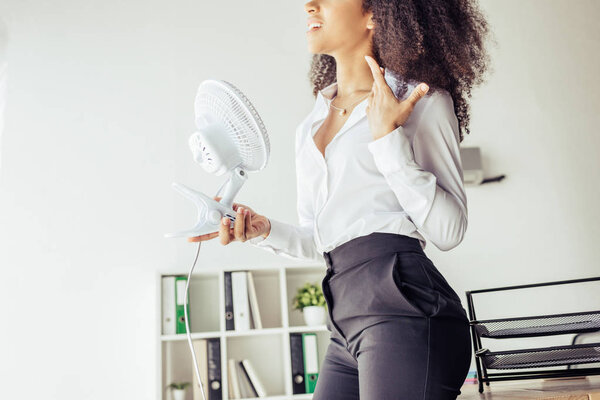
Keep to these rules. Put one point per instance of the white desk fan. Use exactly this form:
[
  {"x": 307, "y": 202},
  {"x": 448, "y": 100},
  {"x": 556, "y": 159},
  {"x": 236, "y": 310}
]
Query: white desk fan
[{"x": 230, "y": 138}]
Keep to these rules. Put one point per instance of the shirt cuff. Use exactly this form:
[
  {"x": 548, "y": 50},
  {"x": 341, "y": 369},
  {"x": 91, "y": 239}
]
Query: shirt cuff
[
  {"x": 392, "y": 152},
  {"x": 278, "y": 237}
]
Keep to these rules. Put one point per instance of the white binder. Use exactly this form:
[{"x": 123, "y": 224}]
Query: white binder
[
  {"x": 201, "y": 350},
  {"x": 241, "y": 307},
  {"x": 168, "y": 306}
]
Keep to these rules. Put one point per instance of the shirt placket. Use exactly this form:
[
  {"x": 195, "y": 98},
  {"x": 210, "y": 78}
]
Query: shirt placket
[
  {"x": 323, "y": 193},
  {"x": 357, "y": 113}
]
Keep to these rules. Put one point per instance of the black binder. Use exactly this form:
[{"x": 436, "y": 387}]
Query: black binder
[
  {"x": 297, "y": 355},
  {"x": 229, "y": 321},
  {"x": 214, "y": 369}
]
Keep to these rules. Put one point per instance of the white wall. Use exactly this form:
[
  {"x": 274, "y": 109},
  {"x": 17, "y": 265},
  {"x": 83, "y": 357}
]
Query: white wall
[
  {"x": 99, "y": 110},
  {"x": 3, "y": 77}
]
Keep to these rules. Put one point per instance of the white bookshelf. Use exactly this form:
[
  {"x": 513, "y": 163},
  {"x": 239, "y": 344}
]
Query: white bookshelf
[{"x": 268, "y": 349}]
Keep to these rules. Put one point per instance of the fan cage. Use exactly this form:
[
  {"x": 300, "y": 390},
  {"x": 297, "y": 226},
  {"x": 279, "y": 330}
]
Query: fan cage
[{"x": 227, "y": 104}]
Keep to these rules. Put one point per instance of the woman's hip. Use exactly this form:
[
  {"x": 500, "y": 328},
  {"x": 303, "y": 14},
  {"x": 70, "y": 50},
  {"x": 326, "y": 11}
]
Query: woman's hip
[{"x": 383, "y": 275}]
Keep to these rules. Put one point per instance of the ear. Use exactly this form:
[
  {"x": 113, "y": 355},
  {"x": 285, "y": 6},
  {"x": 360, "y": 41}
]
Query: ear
[{"x": 370, "y": 23}]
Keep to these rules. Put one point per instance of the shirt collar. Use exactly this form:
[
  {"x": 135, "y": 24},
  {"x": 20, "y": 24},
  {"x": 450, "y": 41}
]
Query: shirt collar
[
  {"x": 327, "y": 94},
  {"x": 325, "y": 97}
]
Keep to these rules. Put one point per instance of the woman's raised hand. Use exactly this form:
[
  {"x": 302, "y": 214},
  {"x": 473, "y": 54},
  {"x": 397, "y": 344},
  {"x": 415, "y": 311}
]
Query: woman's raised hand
[
  {"x": 384, "y": 111},
  {"x": 248, "y": 225}
]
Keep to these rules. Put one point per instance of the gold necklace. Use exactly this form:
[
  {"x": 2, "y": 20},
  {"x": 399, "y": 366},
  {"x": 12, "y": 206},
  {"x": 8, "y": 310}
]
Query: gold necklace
[{"x": 343, "y": 110}]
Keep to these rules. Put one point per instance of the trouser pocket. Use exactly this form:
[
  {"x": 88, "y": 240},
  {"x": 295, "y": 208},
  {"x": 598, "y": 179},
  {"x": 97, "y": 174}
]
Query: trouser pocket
[
  {"x": 414, "y": 284},
  {"x": 438, "y": 281}
]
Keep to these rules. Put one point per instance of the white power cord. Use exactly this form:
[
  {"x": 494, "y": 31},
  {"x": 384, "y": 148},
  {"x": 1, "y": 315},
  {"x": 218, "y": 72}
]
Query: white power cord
[
  {"x": 187, "y": 325},
  {"x": 185, "y": 303}
]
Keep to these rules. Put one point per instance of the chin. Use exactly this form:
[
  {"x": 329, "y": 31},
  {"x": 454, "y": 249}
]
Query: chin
[{"x": 314, "y": 49}]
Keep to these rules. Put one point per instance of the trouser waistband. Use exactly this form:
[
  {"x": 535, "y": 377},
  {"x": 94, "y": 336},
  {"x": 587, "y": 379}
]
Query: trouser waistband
[{"x": 363, "y": 248}]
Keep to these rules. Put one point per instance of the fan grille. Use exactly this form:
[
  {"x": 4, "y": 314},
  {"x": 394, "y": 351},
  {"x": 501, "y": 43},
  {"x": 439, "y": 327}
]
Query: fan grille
[{"x": 222, "y": 101}]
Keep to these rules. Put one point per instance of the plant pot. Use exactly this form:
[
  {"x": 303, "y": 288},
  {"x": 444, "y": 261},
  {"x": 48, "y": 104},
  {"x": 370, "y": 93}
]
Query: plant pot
[
  {"x": 178, "y": 394},
  {"x": 314, "y": 315}
]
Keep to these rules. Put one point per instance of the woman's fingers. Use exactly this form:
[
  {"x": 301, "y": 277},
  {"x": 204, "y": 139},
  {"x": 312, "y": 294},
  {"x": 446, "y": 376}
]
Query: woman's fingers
[
  {"x": 229, "y": 234},
  {"x": 249, "y": 228},
  {"x": 239, "y": 229},
  {"x": 204, "y": 237},
  {"x": 417, "y": 93},
  {"x": 377, "y": 74},
  {"x": 379, "y": 83},
  {"x": 234, "y": 205},
  {"x": 225, "y": 231}
]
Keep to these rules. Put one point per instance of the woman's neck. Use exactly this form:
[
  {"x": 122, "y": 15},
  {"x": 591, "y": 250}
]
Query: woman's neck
[{"x": 353, "y": 75}]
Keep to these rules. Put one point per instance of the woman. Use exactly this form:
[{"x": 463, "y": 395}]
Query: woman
[{"x": 377, "y": 172}]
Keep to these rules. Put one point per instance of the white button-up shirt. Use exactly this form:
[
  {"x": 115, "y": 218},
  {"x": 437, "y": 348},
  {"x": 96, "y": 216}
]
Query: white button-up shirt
[{"x": 408, "y": 182}]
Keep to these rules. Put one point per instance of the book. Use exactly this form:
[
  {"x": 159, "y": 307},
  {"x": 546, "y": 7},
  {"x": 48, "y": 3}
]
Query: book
[
  {"x": 257, "y": 323},
  {"x": 253, "y": 377},
  {"x": 234, "y": 385},
  {"x": 246, "y": 388}
]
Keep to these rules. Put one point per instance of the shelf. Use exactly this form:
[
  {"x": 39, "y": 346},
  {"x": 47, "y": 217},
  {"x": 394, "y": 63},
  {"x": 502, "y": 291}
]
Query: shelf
[
  {"x": 294, "y": 397},
  {"x": 542, "y": 325},
  {"x": 272, "y": 374},
  {"x": 268, "y": 349},
  {"x": 251, "y": 332},
  {"x": 541, "y": 357}
]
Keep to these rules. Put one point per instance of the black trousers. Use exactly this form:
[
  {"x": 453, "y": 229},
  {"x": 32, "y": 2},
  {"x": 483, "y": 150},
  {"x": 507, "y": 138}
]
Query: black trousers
[{"x": 398, "y": 330}]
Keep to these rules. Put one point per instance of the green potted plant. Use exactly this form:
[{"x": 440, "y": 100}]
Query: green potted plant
[
  {"x": 310, "y": 301},
  {"x": 178, "y": 389}
]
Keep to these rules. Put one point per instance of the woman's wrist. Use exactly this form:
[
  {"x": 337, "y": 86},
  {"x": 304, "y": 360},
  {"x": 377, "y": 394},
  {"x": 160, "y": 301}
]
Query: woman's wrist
[{"x": 268, "y": 230}]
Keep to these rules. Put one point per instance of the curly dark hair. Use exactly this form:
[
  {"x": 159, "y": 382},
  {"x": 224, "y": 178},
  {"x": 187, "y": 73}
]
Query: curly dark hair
[{"x": 439, "y": 42}]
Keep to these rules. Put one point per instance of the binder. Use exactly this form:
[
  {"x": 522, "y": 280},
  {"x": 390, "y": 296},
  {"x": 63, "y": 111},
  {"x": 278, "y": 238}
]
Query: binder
[
  {"x": 214, "y": 369},
  {"x": 297, "y": 356},
  {"x": 200, "y": 348},
  {"x": 229, "y": 320},
  {"x": 253, "y": 392},
  {"x": 180, "y": 282},
  {"x": 234, "y": 385},
  {"x": 256, "y": 383},
  {"x": 243, "y": 382},
  {"x": 168, "y": 305},
  {"x": 239, "y": 284},
  {"x": 253, "y": 302},
  {"x": 311, "y": 361}
]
